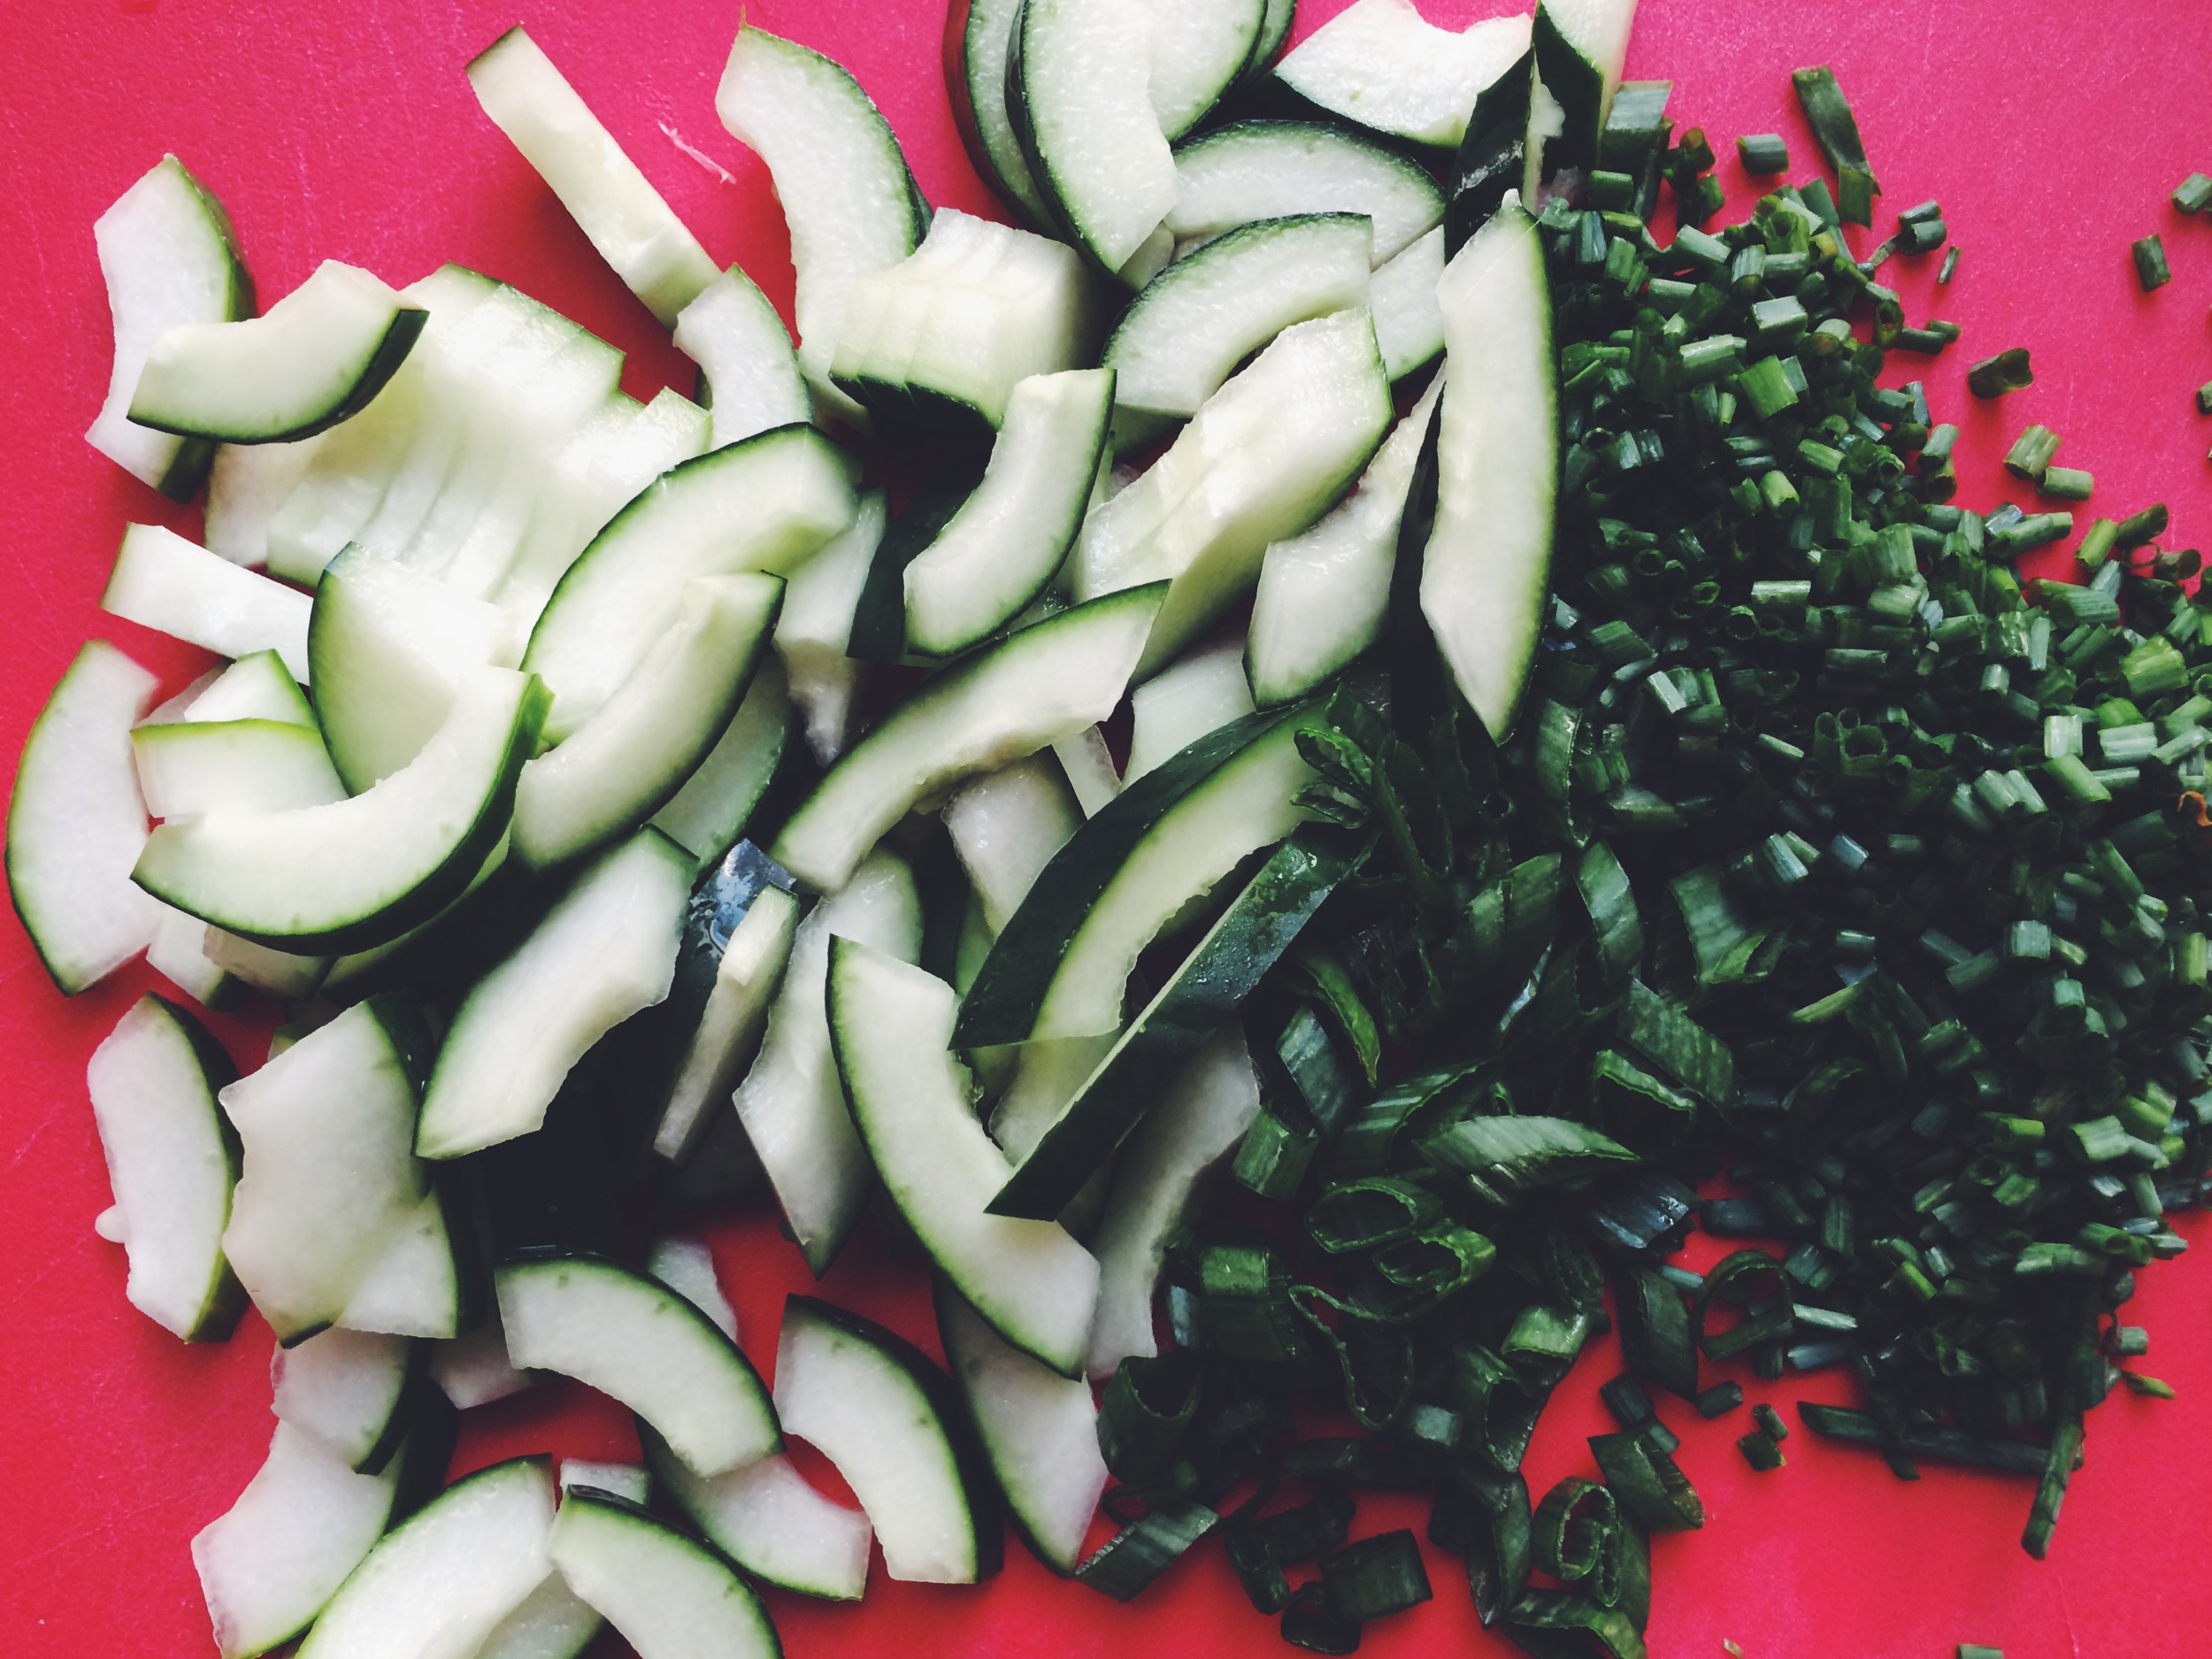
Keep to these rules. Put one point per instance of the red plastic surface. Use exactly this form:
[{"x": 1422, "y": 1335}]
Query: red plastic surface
[{"x": 343, "y": 128}]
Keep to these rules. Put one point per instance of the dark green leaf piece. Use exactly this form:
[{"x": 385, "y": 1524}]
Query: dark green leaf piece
[
  {"x": 1375, "y": 1577},
  {"x": 1126, "y": 1564}
]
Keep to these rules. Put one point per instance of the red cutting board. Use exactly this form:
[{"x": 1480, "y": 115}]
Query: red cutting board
[{"x": 2051, "y": 131}]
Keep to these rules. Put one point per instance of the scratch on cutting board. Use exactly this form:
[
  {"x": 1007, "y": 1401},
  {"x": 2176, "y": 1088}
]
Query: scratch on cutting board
[
  {"x": 31, "y": 1140},
  {"x": 669, "y": 131},
  {"x": 2067, "y": 1613}
]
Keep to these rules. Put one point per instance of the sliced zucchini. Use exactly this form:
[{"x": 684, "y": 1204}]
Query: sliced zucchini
[
  {"x": 1061, "y": 966},
  {"x": 878, "y": 630},
  {"x": 791, "y": 1103},
  {"x": 1260, "y": 170},
  {"x": 769, "y": 1521},
  {"x": 635, "y": 1340},
  {"x": 1079, "y": 94},
  {"x": 315, "y": 358},
  {"x": 607, "y": 949},
  {"x": 814, "y": 634},
  {"x": 1012, "y": 534},
  {"x": 1275, "y": 27},
  {"x": 763, "y": 504},
  {"x": 978, "y": 38},
  {"x": 279, "y": 972},
  {"x": 1266, "y": 456},
  {"x": 710, "y": 813},
  {"x": 178, "y": 952},
  {"x": 329, "y": 1178},
  {"x": 1409, "y": 321},
  {"x": 1089, "y": 766},
  {"x": 443, "y": 1581},
  {"x": 891, "y": 1025},
  {"x": 473, "y": 1369},
  {"x": 1038, "y": 1430},
  {"x": 1488, "y": 561},
  {"x": 629, "y": 1482},
  {"x": 163, "y": 581},
  {"x": 169, "y": 257},
  {"x": 245, "y": 487},
  {"x": 1581, "y": 48},
  {"x": 729, "y": 1029},
  {"x": 1200, "y": 1118},
  {"x": 1202, "y": 996},
  {"x": 416, "y": 1287},
  {"x": 686, "y": 1267},
  {"x": 190, "y": 767},
  {"x": 256, "y": 687},
  {"x": 388, "y": 648},
  {"x": 744, "y": 356},
  {"x": 634, "y": 753},
  {"x": 723, "y": 1168},
  {"x": 360, "y": 872},
  {"x": 891, "y": 1423},
  {"x": 272, "y": 1561},
  {"x": 1047, "y": 682},
  {"x": 1046, "y": 1077},
  {"x": 852, "y": 205},
  {"x": 550, "y": 1623},
  {"x": 352, "y": 1390},
  {"x": 172, "y": 1159},
  {"x": 670, "y": 1596},
  {"x": 77, "y": 822},
  {"x": 634, "y": 229},
  {"x": 1199, "y": 693},
  {"x": 1323, "y": 594},
  {"x": 1200, "y": 49},
  {"x": 1006, "y": 826},
  {"x": 1381, "y": 64}
]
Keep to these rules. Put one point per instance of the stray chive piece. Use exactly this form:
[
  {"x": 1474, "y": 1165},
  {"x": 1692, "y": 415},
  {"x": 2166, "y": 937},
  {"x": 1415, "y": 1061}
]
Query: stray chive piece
[
  {"x": 2204, "y": 398},
  {"x": 2140, "y": 527},
  {"x": 2148, "y": 1387},
  {"x": 1719, "y": 1400},
  {"x": 1770, "y": 1422},
  {"x": 1764, "y": 154},
  {"x": 1950, "y": 264},
  {"x": 1975, "y": 1650},
  {"x": 1929, "y": 341},
  {"x": 2192, "y": 193},
  {"x": 2006, "y": 372},
  {"x": 2097, "y": 543},
  {"x": 1761, "y": 1451},
  {"x": 2065, "y": 483},
  {"x": 2031, "y": 452},
  {"x": 2151, "y": 268},
  {"x": 1838, "y": 131}
]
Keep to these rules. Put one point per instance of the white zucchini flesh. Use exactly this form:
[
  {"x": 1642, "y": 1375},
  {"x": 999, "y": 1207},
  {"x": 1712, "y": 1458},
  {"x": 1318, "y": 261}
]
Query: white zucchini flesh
[
  {"x": 1200, "y": 693},
  {"x": 474, "y": 1369},
  {"x": 709, "y": 813},
  {"x": 1038, "y": 1430},
  {"x": 625, "y": 218},
  {"x": 245, "y": 487},
  {"x": 891, "y": 1025},
  {"x": 1198, "y": 1121},
  {"x": 1079, "y": 93},
  {"x": 686, "y": 1267},
  {"x": 360, "y": 871},
  {"x": 1047, "y": 682},
  {"x": 1581, "y": 48},
  {"x": 792, "y": 1104},
  {"x": 1046, "y": 1079},
  {"x": 1382, "y": 66},
  {"x": 638, "y": 1341},
  {"x": 1003, "y": 546},
  {"x": 189, "y": 767},
  {"x": 171, "y": 1160},
  {"x": 328, "y": 1178},
  {"x": 627, "y": 1481},
  {"x": 1323, "y": 594},
  {"x": 606, "y": 950},
  {"x": 1256, "y": 170},
  {"x": 1089, "y": 766},
  {"x": 271, "y": 1561},
  {"x": 980, "y": 34},
  {"x": 168, "y": 257},
  {"x": 1409, "y": 319},
  {"x": 552, "y": 1622},
  {"x": 1005, "y": 826},
  {"x": 174, "y": 707},
  {"x": 847, "y": 195},
  {"x": 1200, "y": 49},
  {"x": 733, "y": 335},
  {"x": 256, "y": 687},
  {"x": 413, "y": 1287},
  {"x": 389, "y": 647},
  {"x": 77, "y": 822},
  {"x": 163, "y": 582},
  {"x": 770, "y": 1522},
  {"x": 843, "y": 1388},
  {"x": 279, "y": 972},
  {"x": 765, "y": 504},
  {"x": 317, "y": 357},
  {"x": 1483, "y": 576},
  {"x": 816, "y": 626},
  {"x": 437, "y": 1586},
  {"x": 669, "y": 1595},
  {"x": 349, "y": 1389},
  {"x": 178, "y": 952},
  {"x": 1263, "y": 458},
  {"x": 729, "y": 1032}
]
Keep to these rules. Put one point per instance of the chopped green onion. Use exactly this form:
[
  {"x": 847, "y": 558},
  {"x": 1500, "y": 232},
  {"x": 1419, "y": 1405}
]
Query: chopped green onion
[
  {"x": 1762, "y": 154},
  {"x": 1719, "y": 1400},
  {"x": 1761, "y": 1451},
  {"x": 1838, "y": 134},
  {"x": 2192, "y": 193},
  {"x": 2065, "y": 483},
  {"x": 1130, "y": 1560},
  {"x": 2031, "y": 452},
  {"x": 1375, "y": 1578},
  {"x": 1948, "y": 1445},
  {"x": 1770, "y": 1422},
  {"x": 2006, "y": 372},
  {"x": 1308, "y": 1622},
  {"x": 2140, "y": 527},
  {"x": 2151, "y": 268},
  {"x": 1650, "y": 1487},
  {"x": 1975, "y": 1650},
  {"x": 1950, "y": 264}
]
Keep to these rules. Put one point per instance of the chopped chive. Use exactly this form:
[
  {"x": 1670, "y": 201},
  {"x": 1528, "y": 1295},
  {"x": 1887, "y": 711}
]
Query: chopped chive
[
  {"x": 1975, "y": 1650},
  {"x": 2151, "y": 268},
  {"x": 1761, "y": 1451},
  {"x": 2204, "y": 398},
  {"x": 1770, "y": 1422},
  {"x": 1765, "y": 154},
  {"x": 2191, "y": 194},
  {"x": 1721, "y": 1398},
  {"x": 2149, "y": 1386},
  {"x": 1308, "y": 1622},
  {"x": 1950, "y": 264},
  {"x": 1130, "y": 1560},
  {"x": 2031, "y": 452},
  {"x": 1833, "y": 126},
  {"x": 2140, "y": 527},
  {"x": 2097, "y": 543},
  {"x": 1375, "y": 1578},
  {"x": 2065, "y": 483},
  {"x": 2006, "y": 372}
]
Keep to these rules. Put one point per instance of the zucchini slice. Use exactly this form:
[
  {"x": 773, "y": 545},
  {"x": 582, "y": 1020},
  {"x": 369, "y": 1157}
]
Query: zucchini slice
[
  {"x": 1409, "y": 322},
  {"x": 891, "y": 1025},
  {"x": 361, "y": 871},
  {"x": 1323, "y": 595},
  {"x": 745, "y": 983},
  {"x": 279, "y": 972},
  {"x": 891, "y": 1423},
  {"x": 1005, "y": 826},
  {"x": 1061, "y": 966},
  {"x": 635, "y": 1340},
  {"x": 190, "y": 767},
  {"x": 814, "y": 634},
  {"x": 1381, "y": 64},
  {"x": 315, "y": 358},
  {"x": 473, "y": 1369},
  {"x": 765, "y": 504},
  {"x": 443, "y": 1581},
  {"x": 550, "y": 1623},
  {"x": 354, "y": 1391},
  {"x": 77, "y": 822},
  {"x": 1488, "y": 561},
  {"x": 1258, "y": 170},
  {"x": 1202, "y": 693},
  {"x": 178, "y": 953},
  {"x": 161, "y": 582},
  {"x": 169, "y": 257},
  {"x": 1581, "y": 48},
  {"x": 623, "y": 215},
  {"x": 751, "y": 375},
  {"x": 256, "y": 687},
  {"x": 606, "y": 950},
  {"x": 686, "y": 1267},
  {"x": 710, "y": 813},
  {"x": 670, "y": 1596},
  {"x": 770, "y": 1522},
  {"x": 245, "y": 487},
  {"x": 1202, "y": 996},
  {"x": 1200, "y": 49},
  {"x": 1275, "y": 26},
  {"x": 978, "y": 40},
  {"x": 417, "y": 1287},
  {"x": 172, "y": 1159},
  {"x": 1038, "y": 1431},
  {"x": 851, "y": 203}
]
